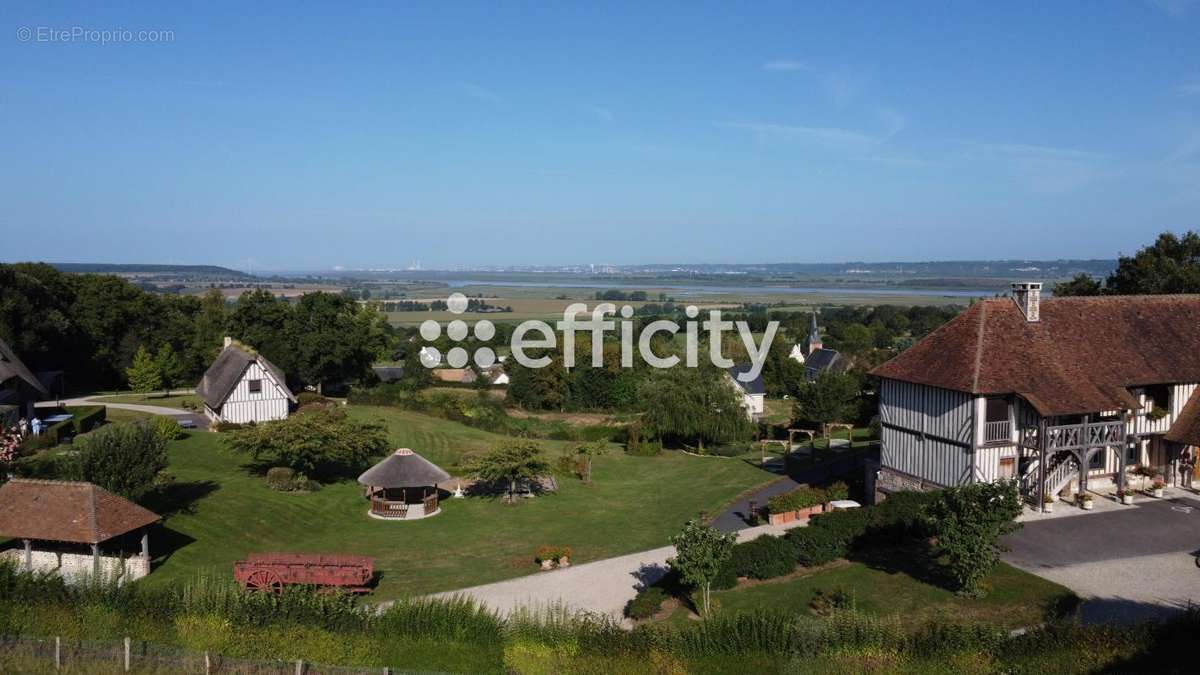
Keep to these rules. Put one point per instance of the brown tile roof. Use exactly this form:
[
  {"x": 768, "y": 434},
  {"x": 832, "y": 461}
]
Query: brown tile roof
[
  {"x": 1186, "y": 428},
  {"x": 1080, "y": 358},
  {"x": 54, "y": 510}
]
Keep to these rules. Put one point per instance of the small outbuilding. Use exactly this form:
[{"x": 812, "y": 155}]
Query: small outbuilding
[
  {"x": 78, "y": 530},
  {"x": 404, "y": 486},
  {"x": 242, "y": 386}
]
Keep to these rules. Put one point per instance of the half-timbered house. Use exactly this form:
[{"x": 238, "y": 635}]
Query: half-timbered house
[
  {"x": 242, "y": 386},
  {"x": 1057, "y": 393}
]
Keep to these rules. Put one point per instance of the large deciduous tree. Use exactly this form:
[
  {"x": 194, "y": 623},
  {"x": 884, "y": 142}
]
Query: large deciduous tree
[
  {"x": 1170, "y": 265},
  {"x": 512, "y": 462},
  {"x": 831, "y": 397},
  {"x": 322, "y": 443},
  {"x": 170, "y": 370},
  {"x": 693, "y": 406}
]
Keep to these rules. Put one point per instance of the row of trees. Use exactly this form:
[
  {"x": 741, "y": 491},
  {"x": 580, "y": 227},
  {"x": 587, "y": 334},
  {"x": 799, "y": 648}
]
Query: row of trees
[
  {"x": 93, "y": 327},
  {"x": 1170, "y": 265}
]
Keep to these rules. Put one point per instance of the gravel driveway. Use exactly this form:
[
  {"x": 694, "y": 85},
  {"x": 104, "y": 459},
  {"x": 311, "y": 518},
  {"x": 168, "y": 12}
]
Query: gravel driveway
[{"x": 1129, "y": 563}]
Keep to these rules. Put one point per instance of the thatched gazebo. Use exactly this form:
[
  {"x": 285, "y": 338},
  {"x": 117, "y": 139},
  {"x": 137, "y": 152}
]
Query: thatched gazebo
[{"x": 403, "y": 486}]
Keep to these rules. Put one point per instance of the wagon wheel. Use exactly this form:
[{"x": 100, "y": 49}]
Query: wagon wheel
[{"x": 264, "y": 580}]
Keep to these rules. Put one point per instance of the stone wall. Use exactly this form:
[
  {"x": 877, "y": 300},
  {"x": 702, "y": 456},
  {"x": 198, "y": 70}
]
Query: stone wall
[
  {"x": 881, "y": 481},
  {"x": 75, "y": 567}
]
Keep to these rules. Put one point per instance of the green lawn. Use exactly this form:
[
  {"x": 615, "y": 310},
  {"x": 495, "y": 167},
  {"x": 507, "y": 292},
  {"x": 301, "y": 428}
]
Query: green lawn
[
  {"x": 1015, "y": 598},
  {"x": 224, "y": 510},
  {"x": 172, "y": 401}
]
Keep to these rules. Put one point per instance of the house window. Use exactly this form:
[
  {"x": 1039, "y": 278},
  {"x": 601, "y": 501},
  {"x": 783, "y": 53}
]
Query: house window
[
  {"x": 255, "y": 386},
  {"x": 997, "y": 410},
  {"x": 1158, "y": 396},
  {"x": 1008, "y": 468},
  {"x": 1133, "y": 454}
]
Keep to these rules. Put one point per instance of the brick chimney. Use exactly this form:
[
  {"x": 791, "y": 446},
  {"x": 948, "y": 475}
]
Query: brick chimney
[{"x": 1028, "y": 296}]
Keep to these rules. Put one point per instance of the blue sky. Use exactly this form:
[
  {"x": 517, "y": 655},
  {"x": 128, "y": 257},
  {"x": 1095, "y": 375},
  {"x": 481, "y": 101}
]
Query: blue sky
[{"x": 511, "y": 133}]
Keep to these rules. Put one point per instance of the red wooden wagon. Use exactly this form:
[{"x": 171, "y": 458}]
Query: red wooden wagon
[{"x": 272, "y": 571}]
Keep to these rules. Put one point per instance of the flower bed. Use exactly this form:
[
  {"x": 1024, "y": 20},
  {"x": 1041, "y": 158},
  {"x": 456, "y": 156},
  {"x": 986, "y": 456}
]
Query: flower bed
[{"x": 803, "y": 502}]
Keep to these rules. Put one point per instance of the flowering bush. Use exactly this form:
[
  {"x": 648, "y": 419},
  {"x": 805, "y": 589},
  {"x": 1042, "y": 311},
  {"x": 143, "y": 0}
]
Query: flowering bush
[
  {"x": 10, "y": 442},
  {"x": 552, "y": 553}
]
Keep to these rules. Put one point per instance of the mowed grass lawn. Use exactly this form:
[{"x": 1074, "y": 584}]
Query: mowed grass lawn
[
  {"x": 223, "y": 510},
  {"x": 1014, "y": 599},
  {"x": 156, "y": 399}
]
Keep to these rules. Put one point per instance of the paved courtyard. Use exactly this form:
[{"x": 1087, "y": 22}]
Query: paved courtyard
[{"x": 1127, "y": 562}]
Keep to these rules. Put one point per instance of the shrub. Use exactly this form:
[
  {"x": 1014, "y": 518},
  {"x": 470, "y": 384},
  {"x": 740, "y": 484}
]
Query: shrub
[
  {"x": 167, "y": 428},
  {"x": 322, "y": 443},
  {"x": 227, "y": 426},
  {"x": 638, "y": 444},
  {"x": 646, "y": 603},
  {"x": 816, "y": 546},
  {"x": 836, "y": 491},
  {"x": 122, "y": 458},
  {"x": 766, "y": 557},
  {"x": 281, "y": 478},
  {"x": 800, "y": 498},
  {"x": 902, "y": 516}
]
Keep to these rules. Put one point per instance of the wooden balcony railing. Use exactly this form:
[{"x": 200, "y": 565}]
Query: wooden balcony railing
[
  {"x": 1078, "y": 436},
  {"x": 997, "y": 432}
]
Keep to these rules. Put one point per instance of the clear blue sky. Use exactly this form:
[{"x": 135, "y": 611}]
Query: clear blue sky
[{"x": 469, "y": 134}]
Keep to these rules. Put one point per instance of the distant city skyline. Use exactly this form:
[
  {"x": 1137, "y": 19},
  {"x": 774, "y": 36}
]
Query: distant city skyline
[{"x": 270, "y": 138}]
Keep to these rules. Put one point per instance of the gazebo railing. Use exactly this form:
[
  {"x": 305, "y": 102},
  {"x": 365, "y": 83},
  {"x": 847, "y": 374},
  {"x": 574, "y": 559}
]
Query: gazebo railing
[{"x": 386, "y": 508}]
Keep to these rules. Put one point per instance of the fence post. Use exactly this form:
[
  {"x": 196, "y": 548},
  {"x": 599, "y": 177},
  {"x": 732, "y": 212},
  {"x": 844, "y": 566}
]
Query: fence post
[
  {"x": 57, "y": 652},
  {"x": 207, "y": 663},
  {"x": 127, "y": 655},
  {"x": 299, "y": 666}
]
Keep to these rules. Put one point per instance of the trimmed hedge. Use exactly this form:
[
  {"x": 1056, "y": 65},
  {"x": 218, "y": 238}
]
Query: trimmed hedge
[
  {"x": 766, "y": 557},
  {"x": 646, "y": 603},
  {"x": 800, "y": 498},
  {"x": 87, "y": 417}
]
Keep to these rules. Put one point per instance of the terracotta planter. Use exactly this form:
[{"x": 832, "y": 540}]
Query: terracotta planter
[
  {"x": 781, "y": 518},
  {"x": 1088, "y": 505}
]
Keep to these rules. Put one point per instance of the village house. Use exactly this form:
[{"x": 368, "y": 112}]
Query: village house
[
  {"x": 20, "y": 389},
  {"x": 1062, "y": 394},
  {"x": 753, "y": 392},
  {"x": 242, "y": 386}
]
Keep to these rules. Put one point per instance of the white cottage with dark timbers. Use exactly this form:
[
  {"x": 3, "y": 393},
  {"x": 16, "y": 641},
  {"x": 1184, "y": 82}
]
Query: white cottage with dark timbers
[
  {"x": 1060, "y": 394},
  {"x": 242, "y": 386}
]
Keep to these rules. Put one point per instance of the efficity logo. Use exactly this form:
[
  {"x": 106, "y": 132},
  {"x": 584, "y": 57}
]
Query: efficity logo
[{"x": 540, "y": 335}]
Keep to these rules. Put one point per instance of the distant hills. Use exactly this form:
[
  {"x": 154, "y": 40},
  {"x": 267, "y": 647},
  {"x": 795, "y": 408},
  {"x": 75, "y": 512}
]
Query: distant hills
[{"x": 190, "y": 271}]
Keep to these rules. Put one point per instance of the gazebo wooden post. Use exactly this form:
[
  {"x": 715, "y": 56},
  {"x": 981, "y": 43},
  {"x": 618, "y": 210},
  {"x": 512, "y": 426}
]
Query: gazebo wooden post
[
  {"x": 146, "y": 545},
  {"x": 96, "y": 560},
  {"x": 28, "y": 555}
]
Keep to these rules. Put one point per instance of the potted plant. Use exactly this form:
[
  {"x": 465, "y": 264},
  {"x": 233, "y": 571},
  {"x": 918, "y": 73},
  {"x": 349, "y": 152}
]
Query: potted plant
[
  {"x": 564, "y": 556},
  {"x": 1125, "y": 496},
  {"x": 1159, "y": 487},
  {"x": 1086, "y": 502},
  {"x": 1048, "y": 503}
]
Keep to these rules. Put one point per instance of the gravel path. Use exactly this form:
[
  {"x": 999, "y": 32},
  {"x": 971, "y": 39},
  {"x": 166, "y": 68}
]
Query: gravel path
[
  {"x": 602, "y": 587},
  {"x": 200, "y": 421}
]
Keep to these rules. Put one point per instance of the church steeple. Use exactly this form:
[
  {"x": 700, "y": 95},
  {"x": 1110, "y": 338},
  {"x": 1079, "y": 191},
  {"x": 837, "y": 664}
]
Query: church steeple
[{"x": 814, "y": 336}]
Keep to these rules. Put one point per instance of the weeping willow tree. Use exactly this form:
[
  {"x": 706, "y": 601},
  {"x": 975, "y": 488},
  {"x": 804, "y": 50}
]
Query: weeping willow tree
[{"x": 693, "y": 407}]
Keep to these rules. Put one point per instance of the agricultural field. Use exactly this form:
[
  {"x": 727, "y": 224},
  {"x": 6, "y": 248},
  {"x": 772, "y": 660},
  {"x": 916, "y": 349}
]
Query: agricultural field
[{"x": 222, "y": 509}]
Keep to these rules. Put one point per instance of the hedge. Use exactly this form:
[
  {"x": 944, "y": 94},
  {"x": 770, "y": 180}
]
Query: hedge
[
  {"x": 807, "y": 497},
  {"x": 87, "y": 417},
  {"x": 766, "y": 557}
]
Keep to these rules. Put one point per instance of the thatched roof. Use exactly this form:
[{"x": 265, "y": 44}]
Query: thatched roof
[
  {"x": 11, "y": 366},
  {"x": 223, "y": 375},
  {"x": 53, "y": 510},
  {"x": 403, "y": 469}
]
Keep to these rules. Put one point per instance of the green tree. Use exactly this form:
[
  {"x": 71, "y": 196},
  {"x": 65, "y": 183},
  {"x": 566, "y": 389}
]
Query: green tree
[
  {"x": 170, "y": 370},
  {"x": 1080, "y": 284},
  {"x": 143, "y": 374},
  {"x": 967, "y": 523},
  {"x": 321, "y": 443},
  {"x": 1170, "y": 265},
  {"x": 700, "y": 551},
  {"x": 122, "y": 458},
  {"x": 693, "y": 406},
  {"x": 856, "y": 339},
  {"x": 334, "y": 339},
  {"x": 520, "y": 460},
  {"x": 831, "y": 397}
]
